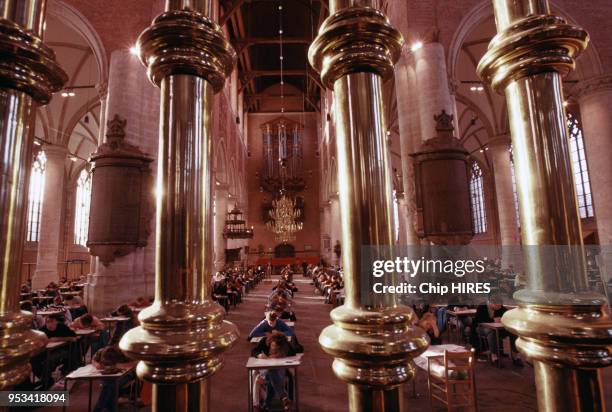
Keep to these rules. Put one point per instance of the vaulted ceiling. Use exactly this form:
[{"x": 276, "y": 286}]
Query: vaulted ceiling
[{"x": 254, "y": 26}]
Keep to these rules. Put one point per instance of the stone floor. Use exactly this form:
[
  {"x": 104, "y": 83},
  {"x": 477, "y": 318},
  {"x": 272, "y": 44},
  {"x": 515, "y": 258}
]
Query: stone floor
[{"x": 499, "y": 390}]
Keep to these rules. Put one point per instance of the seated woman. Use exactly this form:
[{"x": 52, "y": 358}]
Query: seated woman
[
  {"x": 275, "y": 345},
  {"x": 111, "y": 360},
  {"x": 429, "y": 324}
]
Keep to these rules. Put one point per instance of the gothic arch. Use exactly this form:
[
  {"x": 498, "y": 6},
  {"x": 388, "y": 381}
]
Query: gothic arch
[
  {"x": 220, "y": 161},
  {"x": 588, "y": 64},
  {"x": 79, "y": 23}
]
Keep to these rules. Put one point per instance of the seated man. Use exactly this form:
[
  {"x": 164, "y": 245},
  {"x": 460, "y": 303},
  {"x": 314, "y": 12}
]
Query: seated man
[
  {"x": 275, "y": 345},
  {"x": 269, "y": 324},
  {"x": 37, "y": 320},
  {"x": 122, "y": 326},
  {"x": 111, "y": 360},
  {"x": 56, "y": 331},
  {"x": 492, "y": 312}
]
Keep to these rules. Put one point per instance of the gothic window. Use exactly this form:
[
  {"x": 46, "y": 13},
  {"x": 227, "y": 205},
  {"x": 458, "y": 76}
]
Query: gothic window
[
  {"x": 35, "y": 196},
  {"x": 396, "y": 222},
  {"x": 579, "y": 166},
  {"x": 81, "y": 214},
  {"x": 479, "y": 217},
  {"x": 514, "y": 191}
]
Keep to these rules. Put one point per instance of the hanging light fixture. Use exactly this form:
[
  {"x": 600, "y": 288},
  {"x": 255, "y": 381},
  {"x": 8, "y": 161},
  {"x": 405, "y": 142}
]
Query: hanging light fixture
[{"x": 235, "y": 226}]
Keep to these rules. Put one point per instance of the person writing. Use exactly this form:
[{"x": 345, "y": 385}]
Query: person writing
[{"x": 269, "y": 324}]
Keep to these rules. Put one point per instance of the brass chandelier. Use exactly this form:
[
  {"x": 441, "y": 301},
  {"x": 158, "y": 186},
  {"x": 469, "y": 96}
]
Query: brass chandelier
[
  {"x": 284, "y": 215},
  {"x": 284, "y": 218}
]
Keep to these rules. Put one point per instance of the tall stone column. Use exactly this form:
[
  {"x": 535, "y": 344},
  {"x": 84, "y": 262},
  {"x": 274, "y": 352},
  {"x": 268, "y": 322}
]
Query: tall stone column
[
  {"x": 335, "y": 229},
  {"x": 131, "y": 96},
  {"x": 422, "y": 90},
  {"x": 47, "y": 259},
  {"x": 326, "y": 232},
  {"x": 404, "y": 229},
  {"x": 431, "y": 86},
  {"x": 595, "y": 99},
  {"x": 499, "y": 149},
  {"x": 221, "y": 199}
]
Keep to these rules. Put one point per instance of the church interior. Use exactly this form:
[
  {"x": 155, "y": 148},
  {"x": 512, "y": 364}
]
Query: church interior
[{"x": 189, "y": 190}]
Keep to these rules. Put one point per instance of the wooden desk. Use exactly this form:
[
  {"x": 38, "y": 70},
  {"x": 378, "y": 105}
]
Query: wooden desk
[
  {"x": 497, "y": 327},
  {"x": 110, "y": 320},
  {"x": 90, "y": 373},
  {"x": 457, "y": 314},
  {"x": 291, "y": 362},
  {"x": 50, "y": 312}
]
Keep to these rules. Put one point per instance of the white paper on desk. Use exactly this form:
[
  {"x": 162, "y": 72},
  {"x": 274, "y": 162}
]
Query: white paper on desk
[
  {"x": 89, "y": 371},
  {"x": 288, "y": 361}
]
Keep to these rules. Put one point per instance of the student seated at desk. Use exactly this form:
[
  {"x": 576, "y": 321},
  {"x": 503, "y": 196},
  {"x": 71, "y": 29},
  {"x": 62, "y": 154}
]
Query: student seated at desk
[
  {"x": 492, "y": 312},
  {"x": 428, "y": 322},
  {"x": 111, "y": 360},
  {"x": 37, "y": 320},
  {"x": 269, "y": 324},
  {"x": 122, "y": 327},
  {"x": 56, "y": 331},
  {"x": 275, "y": 345}
]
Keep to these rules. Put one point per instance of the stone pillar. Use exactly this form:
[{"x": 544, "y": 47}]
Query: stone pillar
[
  {"x": 595, "y": 99},
  {"x": 50, "y": 218},
  {"x": 131, "y": 96},
  {"x": 410, "y": 138},
  {"x": 432, "y": 86},
  {"x": 502, "y": 173},
  {"x": 404, "y": 228},
  {"x": 326, "y": 232},
  {"x": 422, "y": 90},
  {"x": 221, "y": 199},
  {"x": 335, "y": 235}
]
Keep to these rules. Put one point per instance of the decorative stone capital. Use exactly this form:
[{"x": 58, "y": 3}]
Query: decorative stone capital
[
  {"x": 501, "y": 141},
  {"x": 534, "y": 44},
  {"x": 55, "y": 152},
  {"x": 593, "y": 85},
  {"x": 355, "y": 40},
  {"x": 186, "y": 42}
]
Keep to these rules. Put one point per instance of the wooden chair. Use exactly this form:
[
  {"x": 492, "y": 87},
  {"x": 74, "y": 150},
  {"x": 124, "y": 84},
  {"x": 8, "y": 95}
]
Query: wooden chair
[{"x": 450, "y": 378}]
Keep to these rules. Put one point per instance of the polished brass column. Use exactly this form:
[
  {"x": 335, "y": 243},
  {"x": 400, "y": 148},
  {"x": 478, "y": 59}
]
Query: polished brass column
[
  {"x": 183, "y": 335},
  {"x": 29, "y": 76},
  {"x": 563, "y": 328},
  {"x": 373, "y": 338}
]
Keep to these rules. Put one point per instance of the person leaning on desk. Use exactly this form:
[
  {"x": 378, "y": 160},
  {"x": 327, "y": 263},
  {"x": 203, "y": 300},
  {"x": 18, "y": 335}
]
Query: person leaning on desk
[
  {"x": 269, "y": 324},
  {"x": 276, "y": 345},
  {"x": 57, "y": 331}
]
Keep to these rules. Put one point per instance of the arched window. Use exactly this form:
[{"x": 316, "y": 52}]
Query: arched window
[
  {"x": 81, "y": 211},
  {"x": 35, "y": 196},
  {"x": 396, "y": 222},
  {"x": 479, "y": 216},
  {"x": 514, "y": 191},
  {"x": 579, "y": 167}
]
